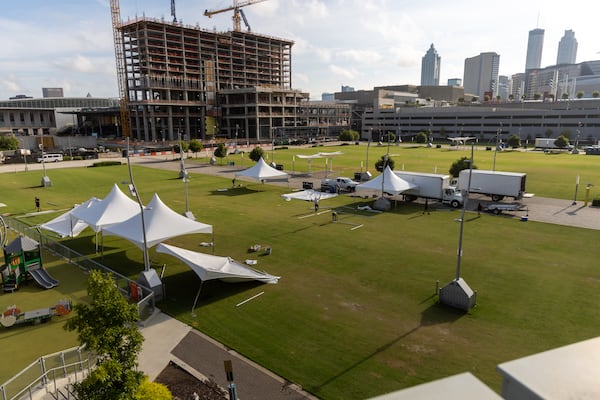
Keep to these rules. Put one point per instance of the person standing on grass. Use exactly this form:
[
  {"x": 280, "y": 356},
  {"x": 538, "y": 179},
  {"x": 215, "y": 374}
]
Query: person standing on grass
[{"x": 426, "y": 208}]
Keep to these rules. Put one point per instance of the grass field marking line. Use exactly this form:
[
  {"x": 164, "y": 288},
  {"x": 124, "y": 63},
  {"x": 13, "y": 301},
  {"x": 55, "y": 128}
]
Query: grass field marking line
[
  {"x": 251, "y": 298},
  {"x": 356, "y": 227}
]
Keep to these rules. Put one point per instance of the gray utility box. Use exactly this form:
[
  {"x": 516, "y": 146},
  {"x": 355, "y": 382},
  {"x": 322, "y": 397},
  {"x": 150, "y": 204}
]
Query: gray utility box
[
  {"x": 458, "y": 294},
  {"x": 149, "y": 279}
]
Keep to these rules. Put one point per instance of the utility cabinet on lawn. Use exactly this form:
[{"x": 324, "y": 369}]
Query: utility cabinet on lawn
[
  {"x": 495, "y": 184},
  {"x": 431, "y": 186}
]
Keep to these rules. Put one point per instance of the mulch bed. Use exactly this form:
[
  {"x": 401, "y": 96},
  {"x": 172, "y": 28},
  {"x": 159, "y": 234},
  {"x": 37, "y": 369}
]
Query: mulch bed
[{"x": 183, "y": 385}]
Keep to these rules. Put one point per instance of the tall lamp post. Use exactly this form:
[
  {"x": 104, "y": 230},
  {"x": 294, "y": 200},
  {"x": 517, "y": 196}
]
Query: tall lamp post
[
  {"x": 139, "y": 201},
  {"x": 45, "y": 179},
  {"x": 498, "y": 133},
  {"x": 457, "y": 293}
]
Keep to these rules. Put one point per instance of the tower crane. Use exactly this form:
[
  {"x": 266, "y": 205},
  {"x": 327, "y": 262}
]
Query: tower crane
[
  {"x": 238, "y": 14},
  {"x": 115, "y": 11}
]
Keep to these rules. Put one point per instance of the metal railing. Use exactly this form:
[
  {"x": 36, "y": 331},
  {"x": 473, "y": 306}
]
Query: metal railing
[
  {"x": 145, "y": 305},
  {"x": 49, "y": 373}
]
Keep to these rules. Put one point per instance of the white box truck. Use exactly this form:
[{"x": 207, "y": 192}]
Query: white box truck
[
  {"x": 548, "y": 143},
  {"x": 496, "y": 184},
  {"x": 431, "y": 186}
]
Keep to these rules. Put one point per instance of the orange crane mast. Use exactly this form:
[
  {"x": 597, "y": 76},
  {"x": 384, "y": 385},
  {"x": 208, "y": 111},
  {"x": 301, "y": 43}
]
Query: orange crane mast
[{"x": 121, "y": 71}]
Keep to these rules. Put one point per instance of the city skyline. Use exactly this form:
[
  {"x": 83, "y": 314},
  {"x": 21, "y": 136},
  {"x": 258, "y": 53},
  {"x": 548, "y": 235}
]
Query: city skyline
[{"x": 69, "y": 44}]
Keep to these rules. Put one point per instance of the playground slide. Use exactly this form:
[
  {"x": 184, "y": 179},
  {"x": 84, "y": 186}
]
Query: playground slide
[{"x": 43, "y": 278}]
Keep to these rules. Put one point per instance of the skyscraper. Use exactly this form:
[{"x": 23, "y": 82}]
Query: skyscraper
[
  {"x": 430, "y": 68},
  {"x": 567, "y": 49},
  {"x": 481, "y": 74},
  {"x": 534, "y": 49}
]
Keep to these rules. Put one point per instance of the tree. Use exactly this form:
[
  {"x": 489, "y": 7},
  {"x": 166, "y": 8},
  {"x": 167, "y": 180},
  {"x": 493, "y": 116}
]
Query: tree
[
  {"x": 514, "y": 141},
  {"x": 459, "y": 165},
  {"x": 566, "y": 133},
  {"x": 421, "y": 137},
  {"x": 537, "y": 96},
  {"x": 8, "y": 142},
  {"x": 107, "y": 328},
  {"x": 153, "y": 391},
  {"x": 349, "y": 135},
  {"x": 220, "y": 152},
  {"x": 511, "y": 97},
  {"x": 256, "y": 154},
  {"x": 595, "y": 94},
  {"x": 474, "y": 99},
  {"x": 580, "y": 94},
  {"x": 383, "y": 162},
  {"x": 565, "y": 96},
  {"x": 177, "y": 149},
  {"x": 561, "y": 142},
  {"x": 195, "y": 147}
]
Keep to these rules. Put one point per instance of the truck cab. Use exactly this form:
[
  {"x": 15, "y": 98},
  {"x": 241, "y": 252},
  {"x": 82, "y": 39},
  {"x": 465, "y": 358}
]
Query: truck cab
[{"x": 452, "y": 197}]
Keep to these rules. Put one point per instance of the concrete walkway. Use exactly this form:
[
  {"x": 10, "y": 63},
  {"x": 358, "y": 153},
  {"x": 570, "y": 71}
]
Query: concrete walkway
[{"x": 167, "y": 339}]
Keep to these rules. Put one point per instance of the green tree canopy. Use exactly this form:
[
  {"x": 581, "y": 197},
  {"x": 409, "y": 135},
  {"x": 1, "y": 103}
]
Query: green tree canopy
[
  {"x": 459, "y": 165},
  {"x": 421, "y": 137},
  {"x": 256, "y": 154},
  {"x": 561, "y": 142},
  {"x": 221, "y": 151},
  {"x": 349, "y": 135},
  {"x": 8, "y": 142},
  {"x": 383, "y": 162},
  {"x": 107, "y": 326},
  {"x": 580, "y": 94},
  {"x": 514, "y": 141},
  {"x": 195, "y": 147}
]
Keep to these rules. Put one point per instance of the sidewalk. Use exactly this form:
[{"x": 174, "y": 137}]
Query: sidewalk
[{"x": 167, "y": 339}]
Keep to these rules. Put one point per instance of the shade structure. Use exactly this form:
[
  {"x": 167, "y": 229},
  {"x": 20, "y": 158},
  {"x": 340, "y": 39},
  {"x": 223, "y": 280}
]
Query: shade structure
[
  {"x": 114, "y": 208},
  {"x": 308, "y": 195},
  {"x": 209, "y": 267},
  {"x": 161, "y": 224},
  {"x": 389, "y": 182},
  {"x": 66, "y": 224},
  {"x": 261, "y": 171}
]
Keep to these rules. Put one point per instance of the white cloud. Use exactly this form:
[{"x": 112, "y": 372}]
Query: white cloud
[{"x": 348, "y": 73}]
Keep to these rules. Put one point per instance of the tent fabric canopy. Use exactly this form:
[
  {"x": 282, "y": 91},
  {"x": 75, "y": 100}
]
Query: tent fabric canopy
[
  {"x": 392, "y": 183},
  {"x": 161, "y": 224},
  {"x": 114, "y": 208},
  {"x": 209, "y": 267},
  {"x": 65, "y": 224},
  {"x": 308, "y": 195},
  {"x": 261, "y": 171}
]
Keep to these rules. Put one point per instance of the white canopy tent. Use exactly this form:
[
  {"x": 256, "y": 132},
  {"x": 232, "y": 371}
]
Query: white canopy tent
[
  {"x": 209, "y": 267},
  {"x": 66, "y": 225},
  {"x": 328, "y": 156},
  {"x": 161, "y": 223},
  {"x": 261, "y": 171},
  {"x": 388, "y": 181},
  {"x": 114, "y": 208}
]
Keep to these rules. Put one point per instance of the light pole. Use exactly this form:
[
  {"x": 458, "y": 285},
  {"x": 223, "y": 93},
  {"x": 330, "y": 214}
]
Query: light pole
[
  {"x": 369, "y": 145},
  {"x": 45, "y": 179},
  {"x": 137, "y": 197},
  {"x": 575, "y": 151},
  {"x": 498, "y": 133}
]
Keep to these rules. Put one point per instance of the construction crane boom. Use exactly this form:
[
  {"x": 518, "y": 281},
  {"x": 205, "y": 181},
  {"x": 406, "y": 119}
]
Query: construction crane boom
[
  {"x": 237, "y": 13},
  {"x": 115, "y": 11}
]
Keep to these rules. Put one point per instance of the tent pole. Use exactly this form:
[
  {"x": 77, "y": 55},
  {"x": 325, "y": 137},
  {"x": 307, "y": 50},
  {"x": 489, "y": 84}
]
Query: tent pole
[{"x": 196, "y": 299}]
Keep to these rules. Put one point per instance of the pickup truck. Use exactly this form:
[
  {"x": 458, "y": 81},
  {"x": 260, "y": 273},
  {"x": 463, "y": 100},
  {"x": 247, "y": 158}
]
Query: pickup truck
[{"x": 339, "y": 184}]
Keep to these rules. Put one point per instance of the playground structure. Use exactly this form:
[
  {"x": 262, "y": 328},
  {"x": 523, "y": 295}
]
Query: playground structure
[
  {"x": 14, "y": 316},
  {"x": 23, "y": 258}
]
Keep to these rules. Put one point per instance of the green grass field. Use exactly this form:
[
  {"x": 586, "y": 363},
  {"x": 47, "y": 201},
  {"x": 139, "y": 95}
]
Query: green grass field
[{"x": 354, "y": 314}]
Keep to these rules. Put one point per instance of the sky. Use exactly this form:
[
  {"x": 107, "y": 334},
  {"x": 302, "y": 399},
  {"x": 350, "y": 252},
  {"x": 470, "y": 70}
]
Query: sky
[{"x": 357, "y": 43}]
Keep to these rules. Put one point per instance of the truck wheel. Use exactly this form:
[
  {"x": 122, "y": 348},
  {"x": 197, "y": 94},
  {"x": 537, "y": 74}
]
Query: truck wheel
[
  {"x": 497, "y": 211},
  {"x": 454, "y": 203},
  {"x": 497, "y": 197},
  {"x": 409, "y": 198}
]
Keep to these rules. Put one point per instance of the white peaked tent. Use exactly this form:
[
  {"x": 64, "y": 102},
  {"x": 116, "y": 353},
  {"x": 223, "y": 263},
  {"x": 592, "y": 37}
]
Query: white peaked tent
[
  {"x": 67, "y": 225},
  {"x": 261, "y": 171},
  {"x": 114, "y": 208},
  {"x": 161, "y": 224},
  {"x": 209, "y": 267},
  {"x": 390, "y": 182}
]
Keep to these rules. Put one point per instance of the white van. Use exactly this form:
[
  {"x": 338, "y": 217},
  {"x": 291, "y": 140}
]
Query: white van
[{"x": 50, "y": 157}]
